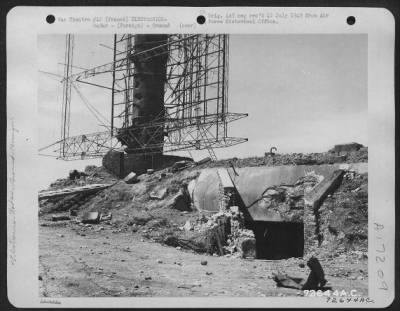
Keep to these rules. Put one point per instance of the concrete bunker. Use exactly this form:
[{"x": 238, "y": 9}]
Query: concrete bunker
[{"x": 278, "y": 205}]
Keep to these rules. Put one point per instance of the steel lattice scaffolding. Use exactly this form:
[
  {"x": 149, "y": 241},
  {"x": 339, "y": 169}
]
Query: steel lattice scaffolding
[{"x": 195, "y": 113}]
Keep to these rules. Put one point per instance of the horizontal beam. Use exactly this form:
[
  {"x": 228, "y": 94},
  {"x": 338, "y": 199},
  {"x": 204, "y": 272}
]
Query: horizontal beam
[{"x": 69, "y": 191}]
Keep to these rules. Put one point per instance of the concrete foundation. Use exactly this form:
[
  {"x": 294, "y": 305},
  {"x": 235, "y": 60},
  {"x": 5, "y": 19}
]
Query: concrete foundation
[{"x": 121, "y": 164}]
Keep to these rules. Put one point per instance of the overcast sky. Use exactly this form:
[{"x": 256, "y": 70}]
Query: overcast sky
[{"x": 303, "y": 93}]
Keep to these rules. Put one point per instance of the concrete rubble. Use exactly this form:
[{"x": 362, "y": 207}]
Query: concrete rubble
[{"x": 131, "y": 178}]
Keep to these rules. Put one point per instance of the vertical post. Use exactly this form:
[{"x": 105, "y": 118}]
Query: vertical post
[
  {"x": 65, "y": 119},
  {"x": 113, "y": 86},
  {"x": 223, "y": 83},
  {"x": 205, "y": 76},
  {"x": 218, "y": 81}
]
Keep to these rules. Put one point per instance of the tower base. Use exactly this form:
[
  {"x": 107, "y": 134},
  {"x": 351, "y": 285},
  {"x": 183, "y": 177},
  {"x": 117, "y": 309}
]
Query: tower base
[{"x": 121, "y": 164}]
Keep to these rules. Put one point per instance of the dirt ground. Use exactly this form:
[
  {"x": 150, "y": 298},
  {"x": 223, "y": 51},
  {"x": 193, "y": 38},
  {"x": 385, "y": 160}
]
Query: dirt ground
[{"x": 98, "y": 261}]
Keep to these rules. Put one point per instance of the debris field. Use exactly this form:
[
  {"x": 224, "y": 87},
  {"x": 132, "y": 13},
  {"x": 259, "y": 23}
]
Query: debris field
[{"x": 143, "y": 236}]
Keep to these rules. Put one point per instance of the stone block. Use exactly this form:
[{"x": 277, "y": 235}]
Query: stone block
[
  {"x": 59, "y": 217},
  {"x": 234, "y": 209},
  {"x": 188, "y": 226},
  {"x": 131, "y": 178},
  {"x": 159, "y": 195},
  {"x": 91, "y": 218}
]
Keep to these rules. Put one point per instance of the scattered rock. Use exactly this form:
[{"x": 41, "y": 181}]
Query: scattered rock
[
  {"x": 91, "y": 218},
  {"x": 159, "y": 195},
  {"x": 188, "y": 226},
  {"x": 196, "y": 284},
  {"x": 159, "y": 261},
  {"x": 147, "y": 278},
  {"x": 180, "y": 165},
  {"x": 60, "y": 217},
  {"x": 204, "y": 262},
  {"x": 131, "y": 178},
  {"x": 104, "y": 217}
]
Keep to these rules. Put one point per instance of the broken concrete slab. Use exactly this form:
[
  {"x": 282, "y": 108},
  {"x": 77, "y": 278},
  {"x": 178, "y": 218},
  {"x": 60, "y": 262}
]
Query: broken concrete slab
[
  {"x": 60, "y": 217},
  {"x": 283, "y": 280},
  {"x": 159, "y": 195},
  {"x": 131, "y": 178},
  {"x": 225, "y": 179},
  {"x": 104, "y": 217},
  {"x": 91, "y": 218},
  {"x": 93, "y": 188},
  {"x": 321, "y": 190},
  {"x": 180, "y": 165}
]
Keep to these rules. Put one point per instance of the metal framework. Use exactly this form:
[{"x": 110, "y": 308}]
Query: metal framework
[
  {"x": 195, "y": 114},
  {"x": 66, "y": 98}
]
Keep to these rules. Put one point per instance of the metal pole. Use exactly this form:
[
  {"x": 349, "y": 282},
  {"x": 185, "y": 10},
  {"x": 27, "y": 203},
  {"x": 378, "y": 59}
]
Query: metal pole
[{"x": 113, "y": 86}]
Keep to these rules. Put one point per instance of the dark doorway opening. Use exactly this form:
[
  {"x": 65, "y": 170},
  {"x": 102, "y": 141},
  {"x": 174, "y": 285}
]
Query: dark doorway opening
[{"x": 278, "y": 240}]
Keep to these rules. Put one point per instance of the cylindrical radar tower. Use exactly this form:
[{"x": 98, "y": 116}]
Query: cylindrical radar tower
[{"x": 149, "y": 56}]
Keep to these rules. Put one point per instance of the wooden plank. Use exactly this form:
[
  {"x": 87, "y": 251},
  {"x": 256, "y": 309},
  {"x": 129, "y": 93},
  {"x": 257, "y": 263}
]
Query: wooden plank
[{"x": 69, "y": 191}]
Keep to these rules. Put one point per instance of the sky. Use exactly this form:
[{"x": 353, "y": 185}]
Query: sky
[{"x": 303, "y": 93}]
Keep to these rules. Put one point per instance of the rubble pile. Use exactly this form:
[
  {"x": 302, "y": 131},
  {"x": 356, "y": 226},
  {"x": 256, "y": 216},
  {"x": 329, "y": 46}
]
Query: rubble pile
[
  {"x": 330, "y": 157},
  {"x": 288, "y": 200},
  {"x": 222, "y": 234},
  {"x": 344, "y": 217},
  {"x": 91, "y": 175}
]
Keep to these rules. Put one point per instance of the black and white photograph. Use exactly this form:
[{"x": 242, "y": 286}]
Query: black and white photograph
[
  {"x": 203, "y": 165},
  {"x": 156, "y": 158}
]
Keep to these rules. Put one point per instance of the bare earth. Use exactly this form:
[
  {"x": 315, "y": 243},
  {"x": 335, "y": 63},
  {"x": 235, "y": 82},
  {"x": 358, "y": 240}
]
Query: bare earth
[{"x": 90, "y": 262}]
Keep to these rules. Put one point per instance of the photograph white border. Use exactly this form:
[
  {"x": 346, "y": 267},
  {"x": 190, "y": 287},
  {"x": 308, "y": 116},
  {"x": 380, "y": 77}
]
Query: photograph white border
[{"x": 24, "y": 24}]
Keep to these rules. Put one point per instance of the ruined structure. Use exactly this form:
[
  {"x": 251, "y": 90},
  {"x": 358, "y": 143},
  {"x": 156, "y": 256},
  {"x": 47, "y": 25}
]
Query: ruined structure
[
  {"x": 277, "y": 209},
  {"x": 168, "y": 93}
]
